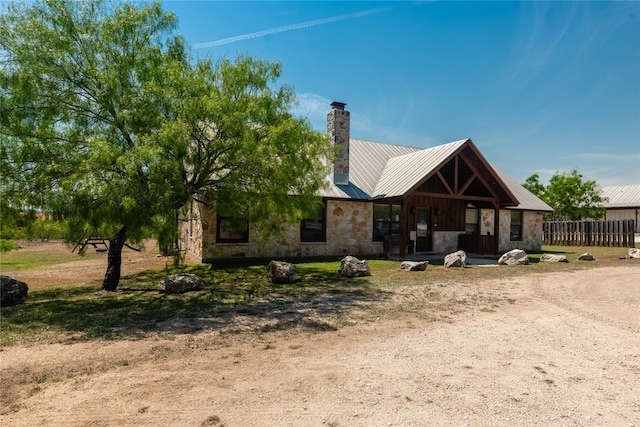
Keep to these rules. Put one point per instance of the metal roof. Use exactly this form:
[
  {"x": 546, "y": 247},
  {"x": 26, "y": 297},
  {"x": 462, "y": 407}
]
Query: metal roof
[
  {"x": 528, "y": 200},
  {"x": 380, "y": 170},
  {"x": 367, "y": 161},
  {"x": 622, "y": 196},
  {"x": 402, "y": 173}
]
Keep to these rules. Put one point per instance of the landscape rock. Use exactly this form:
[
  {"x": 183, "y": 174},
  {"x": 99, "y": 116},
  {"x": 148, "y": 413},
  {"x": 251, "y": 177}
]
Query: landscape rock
[
  {"x": 456, "y": 259},
  {"x": 180, "y": 283},
  {"x": 351, "y": 266},
  {"x": 281, "y": 272},
  {"x": 634, "y": 253},
  {"x": 414, "y": 265},
  {"x": 514, "y": 257},
  {"x": 12, "y": 291},
  {"x": 553, "y": 258},
  {"x": 586, "y": 257}
]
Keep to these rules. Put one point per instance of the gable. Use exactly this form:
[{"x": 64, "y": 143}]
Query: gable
[
  {"x": 455, "y": 170},
  {"x": 379, "y": 170}
]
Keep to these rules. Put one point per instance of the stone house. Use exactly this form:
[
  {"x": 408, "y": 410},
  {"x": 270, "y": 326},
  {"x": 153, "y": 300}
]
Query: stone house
[{"x": 391, "y": 199}]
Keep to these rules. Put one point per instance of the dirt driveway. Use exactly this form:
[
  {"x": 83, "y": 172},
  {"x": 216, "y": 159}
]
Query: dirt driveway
[{"x": 562, "y": 349}]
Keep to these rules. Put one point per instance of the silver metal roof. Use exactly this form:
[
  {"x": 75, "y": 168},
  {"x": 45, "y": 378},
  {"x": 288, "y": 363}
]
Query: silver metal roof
[
  {"x": 380, "y": 170},
  {"x": 622, "y": 196},
  {"x": 528, "y": 200},
  {"x": 402, "y": 173},
  {"x": 367, "y": 160}
]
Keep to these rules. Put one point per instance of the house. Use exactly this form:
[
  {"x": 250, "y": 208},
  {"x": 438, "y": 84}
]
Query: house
[
  {"x": 386, "y": 198},
  {"x": 623, "y": 203}
]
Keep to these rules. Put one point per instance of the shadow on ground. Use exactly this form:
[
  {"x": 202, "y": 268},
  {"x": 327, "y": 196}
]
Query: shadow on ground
[{"x": 232, "y": 299}]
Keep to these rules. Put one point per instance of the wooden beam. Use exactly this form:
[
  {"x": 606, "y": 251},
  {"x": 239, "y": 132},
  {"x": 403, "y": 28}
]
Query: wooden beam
[
  {"x": 455, "y": 175},
  {"x": 444, "y": 181},
  {"x": 404, "y": 219},
  {"x": 467, "y": 184},
  {"x": 475, "y": 170},
  {"x": 454, "y": 196},
  {"x": 496, "y": 228}
]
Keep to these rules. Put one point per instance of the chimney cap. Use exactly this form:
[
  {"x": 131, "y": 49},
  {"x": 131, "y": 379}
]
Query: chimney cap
[{"x": 338, "y": 105}]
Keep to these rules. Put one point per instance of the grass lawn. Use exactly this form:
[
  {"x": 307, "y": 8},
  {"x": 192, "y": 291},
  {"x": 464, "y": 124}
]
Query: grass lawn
[
  {"x": 138, "y": 310},
  {"x": 26, "y": 260}
]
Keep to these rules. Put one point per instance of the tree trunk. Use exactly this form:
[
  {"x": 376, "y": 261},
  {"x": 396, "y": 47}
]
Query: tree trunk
[{"x": 114, "y": 261}]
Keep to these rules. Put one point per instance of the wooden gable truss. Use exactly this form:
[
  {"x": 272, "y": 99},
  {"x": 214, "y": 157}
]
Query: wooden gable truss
[{"x": 465, "y": 177}]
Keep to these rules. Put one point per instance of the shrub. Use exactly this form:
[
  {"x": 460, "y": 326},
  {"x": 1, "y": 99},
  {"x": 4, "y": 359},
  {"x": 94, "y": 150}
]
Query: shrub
[{"x": 8, "y": 245}]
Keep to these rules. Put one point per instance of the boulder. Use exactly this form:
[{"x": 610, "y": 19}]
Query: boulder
[
  {"x": 514, "y": 257},
  {"x": 586, "y": 257},
  {"x": 180, "y": 283},
  {"x": 414, "y": 265},
  {"x": 634, "y": 253},
  {"x": 351, "y": 266},
  {"x": 456, "y": 259},
  {"x": 553, "y": 258},
  {"x": 281, "y": 272},
  {"x": 12, "y": 291}
]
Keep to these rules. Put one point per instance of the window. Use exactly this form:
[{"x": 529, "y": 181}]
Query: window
[
  {"x": 228, "y": 232},
  {"x": 471, "y": 221},
  {"x": 314, "y": 229},
  {"x": 386, "y": 220},
  {"x": 516, "y": 225}
]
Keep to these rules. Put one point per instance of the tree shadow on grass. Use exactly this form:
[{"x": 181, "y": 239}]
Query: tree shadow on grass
[{"x": 232, "y": 298}]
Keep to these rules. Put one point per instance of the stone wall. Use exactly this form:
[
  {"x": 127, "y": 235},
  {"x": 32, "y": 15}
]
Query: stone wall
[
  {"x": 445, "y": 241},
  {"x": 349, "y": 232},
  {"x": 531, "y": 230}
]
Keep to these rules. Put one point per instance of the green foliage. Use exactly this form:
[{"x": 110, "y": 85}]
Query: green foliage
[
  {"x": 45, "y": 229},
  {"x": 533, "y": 184},
  {"x": 8, "y": 245},
  {"x": 107, "y": 121},
  {"x": 571, "y": 197},
  {"x": 26, "y": 224}
]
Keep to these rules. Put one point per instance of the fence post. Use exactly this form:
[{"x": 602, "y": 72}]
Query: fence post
[{"x": 611, "y": 233}]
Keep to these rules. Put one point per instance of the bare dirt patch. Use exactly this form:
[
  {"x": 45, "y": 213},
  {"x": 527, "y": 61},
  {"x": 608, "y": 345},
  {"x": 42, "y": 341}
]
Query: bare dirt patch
[{"x": 555, "y": 349}]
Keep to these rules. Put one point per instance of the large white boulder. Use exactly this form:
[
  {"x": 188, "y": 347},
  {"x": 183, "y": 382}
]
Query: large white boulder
[
  {"x": 514, "y": 257},
  {"x": 456, "y": 259}
]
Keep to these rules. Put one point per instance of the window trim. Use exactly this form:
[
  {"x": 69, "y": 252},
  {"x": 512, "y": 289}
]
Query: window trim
[
  {"x": 322, "y": 211},
  {"x": 389, "y": 222},
  {"x": 472, "y": 227},
  {"x": 519, "y": 236},
  {"x": 220, "y": 219}
]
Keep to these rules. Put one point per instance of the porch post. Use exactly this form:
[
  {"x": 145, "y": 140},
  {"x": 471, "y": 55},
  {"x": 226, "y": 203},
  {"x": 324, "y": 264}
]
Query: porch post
[
  {"x": 404, "y": 218},
  {"x": 496, "y": 228}
]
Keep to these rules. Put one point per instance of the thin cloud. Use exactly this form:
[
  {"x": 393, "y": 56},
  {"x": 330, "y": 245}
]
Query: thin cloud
[
  {"x": 603, "y": 156},
  {"x": 290, "y": 27}
]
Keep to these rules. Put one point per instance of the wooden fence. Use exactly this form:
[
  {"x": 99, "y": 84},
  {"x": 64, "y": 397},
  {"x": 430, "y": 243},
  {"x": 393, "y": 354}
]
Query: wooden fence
[{"x": 618, "y": 233}]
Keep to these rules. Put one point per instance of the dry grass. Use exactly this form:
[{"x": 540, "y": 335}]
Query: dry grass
[{"x": 319, "y": 301}]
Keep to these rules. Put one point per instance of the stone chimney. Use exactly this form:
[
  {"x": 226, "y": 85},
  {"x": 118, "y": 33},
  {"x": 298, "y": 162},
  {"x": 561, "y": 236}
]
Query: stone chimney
[{"x": 338, "y": 123}]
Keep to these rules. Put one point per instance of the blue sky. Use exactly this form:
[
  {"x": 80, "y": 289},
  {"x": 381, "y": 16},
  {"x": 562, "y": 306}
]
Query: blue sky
[{"x": 538, "y": 86}]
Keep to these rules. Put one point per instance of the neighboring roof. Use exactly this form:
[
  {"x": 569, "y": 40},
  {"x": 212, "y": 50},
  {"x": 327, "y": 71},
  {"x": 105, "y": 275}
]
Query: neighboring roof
[
  {"x": 380, "y": 170},
  {"x": 528, "y": 200},
  {"x": 622, "y": 196}
]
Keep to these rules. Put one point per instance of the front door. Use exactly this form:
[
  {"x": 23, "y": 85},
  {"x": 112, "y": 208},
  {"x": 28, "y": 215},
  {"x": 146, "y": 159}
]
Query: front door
[{"x": 423, "y": 230}]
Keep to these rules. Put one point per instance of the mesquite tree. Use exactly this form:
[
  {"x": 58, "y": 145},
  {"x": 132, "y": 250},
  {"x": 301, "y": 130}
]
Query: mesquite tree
[
  {"x": 571, "y": 197},
  {"x": 106, "y": 120}
]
